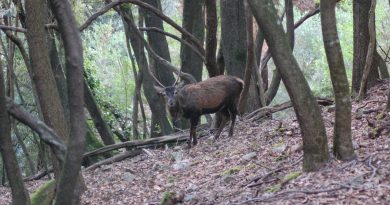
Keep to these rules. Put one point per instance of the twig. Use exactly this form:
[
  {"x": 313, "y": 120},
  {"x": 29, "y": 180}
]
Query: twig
[
  {"x": 263, "y": 199},
  {"x": 374, "y": 169},
  {"x": 261, "y": 178}
]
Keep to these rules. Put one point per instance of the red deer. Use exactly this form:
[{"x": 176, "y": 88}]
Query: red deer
[{"x": 215, "y": 94}]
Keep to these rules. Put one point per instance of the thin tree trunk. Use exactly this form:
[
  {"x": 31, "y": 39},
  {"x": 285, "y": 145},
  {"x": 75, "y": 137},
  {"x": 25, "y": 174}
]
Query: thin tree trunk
[
  {"x": 211, "y": 37},
  {"x": 370, "y": 52},
  {"x": 24, "y": 148},
  {"x": 307, "y": 111},
  {"x": 250, "y": 60},
  {"x": 342, "y": 143},
  {"x": 20, "y": 195},
  {"x": 361, "y": 38},
  {"x": 193, "y": 23},
  {"x": 69, "y": 187},
  {"x": 97, "y": 117},
  {"x": 384, "y": 73},
  {"x": 160, "y": 122}
]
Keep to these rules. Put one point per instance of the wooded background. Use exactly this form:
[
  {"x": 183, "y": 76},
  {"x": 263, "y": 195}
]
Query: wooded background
[{"x": 76, "y": 76}]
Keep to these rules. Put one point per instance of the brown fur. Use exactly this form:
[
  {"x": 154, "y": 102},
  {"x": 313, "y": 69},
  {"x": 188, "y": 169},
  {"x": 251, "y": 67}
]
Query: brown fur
[{"x": 215, "y": 94}]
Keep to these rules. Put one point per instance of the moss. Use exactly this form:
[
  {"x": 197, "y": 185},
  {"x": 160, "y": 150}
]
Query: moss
[
  {"x": 291, "y": 176},
  {"x": 171, "y": 179},
  {"x": 274, "y": 188},
  {"x": 44, "y": 195},
  {"x": 380, "y": 116},
  {"x": 167, "y": 196},
  {"x": 231, "y": 171}
]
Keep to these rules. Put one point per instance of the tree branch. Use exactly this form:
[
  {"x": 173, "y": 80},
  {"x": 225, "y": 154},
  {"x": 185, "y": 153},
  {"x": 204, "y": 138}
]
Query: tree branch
[
  {"x": 45, "y": 132},
  {"x": 154, "y": 29}
]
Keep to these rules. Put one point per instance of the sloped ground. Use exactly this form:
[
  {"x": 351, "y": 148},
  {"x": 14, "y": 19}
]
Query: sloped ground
[{"x": 269, "y": 151}]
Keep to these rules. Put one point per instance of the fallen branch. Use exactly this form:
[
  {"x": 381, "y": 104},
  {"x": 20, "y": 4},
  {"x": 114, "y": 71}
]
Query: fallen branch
[
  {"x": 261, "y": 178},
  {"x": 177, "y": 137},
  {"x": 116, "y": 158},
  {"x": 38, "y": 175},
  {"x": 257, "y": 114}
]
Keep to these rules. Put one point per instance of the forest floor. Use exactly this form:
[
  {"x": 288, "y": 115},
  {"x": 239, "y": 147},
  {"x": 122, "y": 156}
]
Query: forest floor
[{"x": 261, "y": 163}]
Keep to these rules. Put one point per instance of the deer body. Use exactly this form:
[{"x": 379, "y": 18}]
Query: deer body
[{"x": 215, "y": 94}]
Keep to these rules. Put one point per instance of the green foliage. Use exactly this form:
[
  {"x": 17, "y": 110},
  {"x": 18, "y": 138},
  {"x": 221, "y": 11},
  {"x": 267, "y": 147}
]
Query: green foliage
[
  {"x": 44, "y": 195},
  {"x": 167, "y": 196},
  {"x": 232, "y": 170}
]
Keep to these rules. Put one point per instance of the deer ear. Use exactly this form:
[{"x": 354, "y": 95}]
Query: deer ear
[
  {"x": 160, "y": 90},
  {"x": 180, "y": 85}
]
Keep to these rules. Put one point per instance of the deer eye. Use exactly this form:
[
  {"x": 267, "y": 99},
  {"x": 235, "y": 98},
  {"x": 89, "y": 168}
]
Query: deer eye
[{"x": 175, "y": 92}]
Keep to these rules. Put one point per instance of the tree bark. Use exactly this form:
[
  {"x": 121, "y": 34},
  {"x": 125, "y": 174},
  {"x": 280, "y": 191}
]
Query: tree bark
[
  {"x": 369, "y": 63},
  {"x": 342, "y": 143},
  {"x": 384, "y": 73},
  {"x": 306, "y": 109},
  {"x": 69, "y": 188},
  {"x": 42, "y": 77},
  {"x": 233, "y": 37},
  {"x": 250, "y": 61},
  {"x": 20, "y": 195},
  {"x": 361, "y": 39},
  {"x": 211, "y": 38},
  {"x": 160, "y": 123},
  {"x": 193, "y": 23}
]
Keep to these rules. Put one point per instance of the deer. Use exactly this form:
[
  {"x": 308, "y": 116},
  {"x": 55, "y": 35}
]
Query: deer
[{"x": 216, "y": 94}]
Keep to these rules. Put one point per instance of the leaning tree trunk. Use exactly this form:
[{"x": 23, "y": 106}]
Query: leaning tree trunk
[
  {"x": 160, "y": 123},
  {"x": 276, "y": 77},
  {"x": 315, "y": 146},
  {"x": 19, "y": 192},
  {"x": 97, "y": 117},
  {"x": 370, "y": 55},
  {"x": 160, "y": 45},
  {"x": 192, "y": 22},
  {"x": 250, "y": 62},
  {"x": 342, "y": 143},
  {"x": 69, "y": 186},
  {"x": 384, "y": 73},
  {"x": 43, "y": 78},
  {"x": 361, "y": 39}
]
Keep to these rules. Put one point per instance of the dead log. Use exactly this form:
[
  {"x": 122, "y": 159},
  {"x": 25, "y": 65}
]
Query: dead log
[{"x": 116, "y": 158}]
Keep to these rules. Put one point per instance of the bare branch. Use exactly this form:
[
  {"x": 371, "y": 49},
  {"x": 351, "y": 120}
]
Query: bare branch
[
  {"x": 45, "y": 132},
  {"x": 12, "y": 28},
  {"x": 174, "y": 37}
]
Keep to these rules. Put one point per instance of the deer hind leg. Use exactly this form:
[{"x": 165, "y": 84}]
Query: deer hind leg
[
  {"x": 193, "y": 138},
  {"x": 233, "y": 113},
  {"x": 225, "y": 113}
]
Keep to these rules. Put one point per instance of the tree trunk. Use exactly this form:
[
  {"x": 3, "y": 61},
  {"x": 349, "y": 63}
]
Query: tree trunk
[
  {"x": 250, "y": 61},
  {"x": 211, "y": 38},
  {"x": 276, "y": 77},
  {"x": 361, "y": 39},
  {"x": 384, "y": 73},
  {"x": 160, "y": 123},
  {"x": 69, "y": 186},
  {"x": 342, "y": 143},
  {"x": 97, "y": 117},
  {"x": 193, "y": 23},
  {"x": 160, "y": 45},
  {"x": 370, "y": 55},
  {"x": 233, "y": 37},
  {"x": 307, "y": 111},
  {"x": 20, "y": 195},
  {"x": 43, "y": 78}
]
